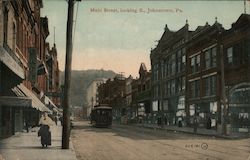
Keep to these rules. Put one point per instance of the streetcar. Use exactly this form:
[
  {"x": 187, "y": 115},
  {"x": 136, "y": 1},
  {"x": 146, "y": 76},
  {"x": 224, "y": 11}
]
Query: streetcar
[{"x": 101, "y": 116}]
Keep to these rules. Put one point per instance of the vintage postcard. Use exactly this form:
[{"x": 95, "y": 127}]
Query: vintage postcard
[{"x": 124, "y": 80}]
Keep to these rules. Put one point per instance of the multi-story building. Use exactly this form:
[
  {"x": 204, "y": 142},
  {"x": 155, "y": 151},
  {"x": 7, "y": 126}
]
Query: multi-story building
[
  {"x": 11, "y": 71},
  {"x": 143, "y": 97},
  {"x": 113, "y": 93},
  {"x": 218, "y": 75},
  {"x": 128, "y": 97},
  {"x": 204, "y": 74},
  {"x": 53, "y": 83},
  {"x": 168, "y": 63},
  {"x": 92, "y": 94},
  {"x": 22, "y": 43},
  {"x": 236, "y": 56}
]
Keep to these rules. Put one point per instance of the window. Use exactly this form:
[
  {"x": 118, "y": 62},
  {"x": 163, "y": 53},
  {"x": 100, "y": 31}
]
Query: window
[
  {"x": 173, "y": 87},
  {"x": 166, "y": 68},
  {"x": 179, "y": 61},
  {"x": 210, "y": 85},
  {"x": 207, "y": 59},
  {"x": 214, "y": 57},
  {"x": 183, "y": 83},
  {"x": 169, "y": 87},
  {"x": 247, "y": 52},
  {"x": 5, "y": 37},
  {"x": 165, "y": 89},
  {"x": 230, "y": 55},
  {"x": 210, "y": 58},
  {"x": 195, "y": 64},
  {"x": 173, "y": 67},
  {"x": 155, "y": 72},
  {"x": 183, "y": 65},
  {"x": 195, "y": 88},
  {"x": 178, "y": 84}
]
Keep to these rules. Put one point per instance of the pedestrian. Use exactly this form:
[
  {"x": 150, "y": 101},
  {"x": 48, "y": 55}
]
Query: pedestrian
[
  {"x": 209, "y": 123},
  {"x": 180, "y": 122},
  {"x": 195, "y": 124},
  {"x": 44, "y": 130},
  {"x": 159, "y": 121},
  {"x": 56, "y": 120},
  {"x": 166, "y": 120},
  {"x": 26, "y": 124},
  {"x": 61, "y": 120}
]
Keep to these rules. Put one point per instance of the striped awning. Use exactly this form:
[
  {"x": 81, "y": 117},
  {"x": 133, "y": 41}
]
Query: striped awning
[
  {"x": 35, "y": 102},
  {"x": 49, "y": 102}
]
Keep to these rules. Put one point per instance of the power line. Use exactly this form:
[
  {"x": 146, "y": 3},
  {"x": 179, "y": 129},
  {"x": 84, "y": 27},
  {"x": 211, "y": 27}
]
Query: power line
[{"x": 75, "y": 22}]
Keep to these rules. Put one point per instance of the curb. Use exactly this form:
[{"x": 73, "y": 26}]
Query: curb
[{"x": 187, "y": 132}]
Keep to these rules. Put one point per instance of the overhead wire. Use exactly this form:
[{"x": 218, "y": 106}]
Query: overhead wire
[{"x": 75, "y": 22}]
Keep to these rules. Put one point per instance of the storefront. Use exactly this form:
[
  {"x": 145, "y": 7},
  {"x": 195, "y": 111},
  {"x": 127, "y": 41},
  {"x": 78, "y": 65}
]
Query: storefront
[{"x": 239, "y": 107}]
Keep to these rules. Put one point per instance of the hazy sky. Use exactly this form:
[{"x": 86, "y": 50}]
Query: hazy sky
[{"x": 120, "y": 41}]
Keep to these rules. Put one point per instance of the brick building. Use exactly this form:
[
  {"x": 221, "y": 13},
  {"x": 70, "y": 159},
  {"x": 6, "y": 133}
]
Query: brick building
[
  {"x": 112, "y": 92},
  {"x": 168, "y": 63},
  {"x": 23, "y": 72},
  {"x": 143, "y": 96},
  {"x": 53, "y": 89},
  {"x": 203, "y": 74},
  {"x": 236, "y": 56}
]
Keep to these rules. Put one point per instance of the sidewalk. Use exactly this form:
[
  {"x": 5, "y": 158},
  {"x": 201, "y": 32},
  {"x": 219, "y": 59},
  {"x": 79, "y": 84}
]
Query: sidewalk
[
  {"x": 190, "y": 130},
  {"x": 27, "y": 146}
]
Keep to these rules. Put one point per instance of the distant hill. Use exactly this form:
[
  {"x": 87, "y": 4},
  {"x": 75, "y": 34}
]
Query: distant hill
[{"x": 81, "y": 80}]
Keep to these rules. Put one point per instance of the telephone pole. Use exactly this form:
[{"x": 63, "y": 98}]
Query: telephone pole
[{"x": 67, "y": 80}]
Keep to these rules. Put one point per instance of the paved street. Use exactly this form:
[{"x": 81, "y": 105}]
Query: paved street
[
  {"x": 27, "y": 146},
  {"x": 133, "y": 143}
]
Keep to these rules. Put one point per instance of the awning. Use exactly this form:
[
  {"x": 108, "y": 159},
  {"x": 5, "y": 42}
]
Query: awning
[
  {"x": 15, "y": 101},
  {"x": 36, "y": 103},
  {"x": 49, "y": 102},
  {"x": 11, "y": 63}
]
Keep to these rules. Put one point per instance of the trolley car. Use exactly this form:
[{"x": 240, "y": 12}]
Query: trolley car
[{"x": 101, "y": 116}]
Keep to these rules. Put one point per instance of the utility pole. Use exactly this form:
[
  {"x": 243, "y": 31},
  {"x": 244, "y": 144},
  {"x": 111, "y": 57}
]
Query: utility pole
[
  {"x": 67, "y": 80},
  {"x": 224, "y": 109}
]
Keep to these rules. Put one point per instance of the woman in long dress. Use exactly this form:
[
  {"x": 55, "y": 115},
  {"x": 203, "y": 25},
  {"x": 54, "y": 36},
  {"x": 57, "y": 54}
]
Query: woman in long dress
[{"x": 44, "y": 130}]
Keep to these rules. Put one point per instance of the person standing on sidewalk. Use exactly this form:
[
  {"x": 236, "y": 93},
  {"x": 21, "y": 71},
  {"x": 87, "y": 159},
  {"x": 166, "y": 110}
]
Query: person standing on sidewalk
[
  {"x": 195, "y": 124},
  {"x": 44, "y": 131}
]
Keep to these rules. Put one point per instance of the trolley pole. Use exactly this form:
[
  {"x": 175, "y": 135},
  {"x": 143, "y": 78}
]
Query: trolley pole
[{"x": 67, "y": 80}]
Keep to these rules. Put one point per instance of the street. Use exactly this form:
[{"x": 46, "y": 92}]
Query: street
[{"x": 121, "y": 142}]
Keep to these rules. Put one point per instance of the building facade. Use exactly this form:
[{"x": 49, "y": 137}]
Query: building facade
[
  {"x": 53, "y": 90},
  {"x": 143, "y": 96},
  {"x": 112, "y": 92},
  {"x": 168, "y": 63},
  {"x": 23, "y": 72},
  {"x": 92, "y": 94},
  {"x": 204, "y": 75},
  {"x": 236, "y": 56}
]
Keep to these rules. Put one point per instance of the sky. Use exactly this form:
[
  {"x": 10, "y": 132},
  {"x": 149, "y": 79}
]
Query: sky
[{"x": 119, "y": 35}]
